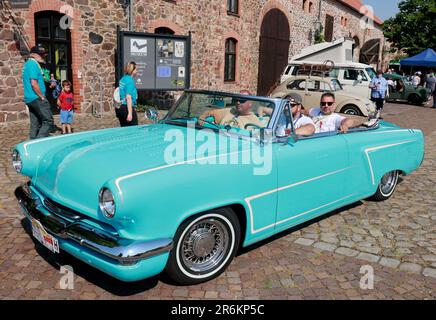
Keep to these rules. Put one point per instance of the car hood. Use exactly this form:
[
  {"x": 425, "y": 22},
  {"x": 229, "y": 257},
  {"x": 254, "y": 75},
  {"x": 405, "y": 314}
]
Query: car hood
[{"x": 73, "y": 174}]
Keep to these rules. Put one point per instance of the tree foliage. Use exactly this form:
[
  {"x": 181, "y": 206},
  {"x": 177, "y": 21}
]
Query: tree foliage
[{"x": 413, "y": 29}]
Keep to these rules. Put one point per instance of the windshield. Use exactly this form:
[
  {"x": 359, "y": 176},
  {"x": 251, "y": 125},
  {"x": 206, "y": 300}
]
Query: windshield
[
  {"x": 216, "y": 111},
  {"x": 336, "y": 85},
  {"x": 371, "y": 72}
]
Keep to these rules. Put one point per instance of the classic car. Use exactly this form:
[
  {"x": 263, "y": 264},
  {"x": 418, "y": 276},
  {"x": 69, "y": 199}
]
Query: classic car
[
  {"x": 404, "y": 90},
  {"x": 184, "y": 193},
  {"x": 310, "y": 88}
]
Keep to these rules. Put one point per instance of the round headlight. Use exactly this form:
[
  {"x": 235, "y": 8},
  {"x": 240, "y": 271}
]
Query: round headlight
[
  {"x": 16, "y": 161},
  {"x": 107, "y": 202}
]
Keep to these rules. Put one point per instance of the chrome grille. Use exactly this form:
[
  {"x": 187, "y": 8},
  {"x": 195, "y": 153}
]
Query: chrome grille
[{"x": 61, "y": 210}]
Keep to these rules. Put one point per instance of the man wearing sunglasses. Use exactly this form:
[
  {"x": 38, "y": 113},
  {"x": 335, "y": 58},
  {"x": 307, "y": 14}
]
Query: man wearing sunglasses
[
  {"x": 326, "y": 119},
  {"x": 237, "y": 117},
  {"x": 303, "y": 125}
]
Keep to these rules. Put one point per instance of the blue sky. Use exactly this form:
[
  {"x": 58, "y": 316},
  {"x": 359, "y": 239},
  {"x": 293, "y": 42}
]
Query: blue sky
[{"x": 383, "y": 8}]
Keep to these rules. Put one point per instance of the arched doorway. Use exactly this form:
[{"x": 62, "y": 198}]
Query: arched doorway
[
  {"x": 56, "y": 40},
  {"x": 370, "y": 52},
  {"x": 273, "y": 50}
]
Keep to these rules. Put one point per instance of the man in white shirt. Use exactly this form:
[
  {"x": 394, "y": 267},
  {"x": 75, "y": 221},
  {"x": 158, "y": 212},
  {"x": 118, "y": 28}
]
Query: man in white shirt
[
  {"x": 303, "y": 125},
  {"x": 416, "y": 80},
  {"x": 326, "y": 119}
]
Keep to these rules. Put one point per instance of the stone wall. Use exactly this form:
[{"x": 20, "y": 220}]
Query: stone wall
[
  {"x": 208, "y": 21},
  {"x": 88, "y": 60}
]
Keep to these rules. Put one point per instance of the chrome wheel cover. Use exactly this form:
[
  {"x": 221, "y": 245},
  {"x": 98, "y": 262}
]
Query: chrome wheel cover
[
  {"x": 351, "y": 112},
  {"x": 205, "y": 245},
  {"x": 388, "y": 182}
]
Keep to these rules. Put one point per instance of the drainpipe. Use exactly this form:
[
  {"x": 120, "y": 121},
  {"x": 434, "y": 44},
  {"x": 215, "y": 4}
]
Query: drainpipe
[
  {"x": 130, "y": 21},
  {"x": 319, "y": 10}
]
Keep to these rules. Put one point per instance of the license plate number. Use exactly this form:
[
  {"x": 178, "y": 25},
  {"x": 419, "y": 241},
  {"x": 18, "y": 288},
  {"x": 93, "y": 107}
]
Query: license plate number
[{"x": 43, "y": 237}]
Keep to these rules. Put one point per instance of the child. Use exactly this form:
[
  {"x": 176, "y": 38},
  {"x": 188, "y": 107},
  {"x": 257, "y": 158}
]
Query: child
[{"x": 65, "y": 103}]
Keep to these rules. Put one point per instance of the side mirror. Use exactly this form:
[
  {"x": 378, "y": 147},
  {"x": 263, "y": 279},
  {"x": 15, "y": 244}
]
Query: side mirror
[
  {"x": 152, "y": 114},
  {"x": 293, "y": 138},
  {"x": 263, "y": 135}
]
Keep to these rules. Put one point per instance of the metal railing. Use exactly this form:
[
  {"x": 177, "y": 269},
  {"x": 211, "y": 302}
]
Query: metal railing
[{"x": 316, "y": 69}]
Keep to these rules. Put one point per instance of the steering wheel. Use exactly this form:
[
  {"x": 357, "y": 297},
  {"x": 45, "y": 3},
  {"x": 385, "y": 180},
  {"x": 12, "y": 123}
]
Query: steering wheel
[{"x": 252, "y": 125}]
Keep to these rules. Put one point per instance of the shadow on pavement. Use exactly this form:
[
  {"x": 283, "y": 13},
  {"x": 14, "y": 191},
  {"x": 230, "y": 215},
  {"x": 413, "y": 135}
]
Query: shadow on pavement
[
  {"x": 89, "y": 273},
  {"x": 296, "y": 228}
]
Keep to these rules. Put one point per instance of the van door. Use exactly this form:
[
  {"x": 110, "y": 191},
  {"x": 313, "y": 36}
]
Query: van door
[{"x": 355, "y": 81}]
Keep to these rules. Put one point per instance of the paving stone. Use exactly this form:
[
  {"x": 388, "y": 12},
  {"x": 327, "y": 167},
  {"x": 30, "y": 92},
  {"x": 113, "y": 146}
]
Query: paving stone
[
  {"x": 325, "y": 246},
  {"x": 347, "y": 251},
  {"x": 368, "y": 257},
  {"x": 429, "y": 272},
  {"x": 304, "y": 241},
  {"x": 388, "y": 262},
  {"x": 411, "y": 267}
]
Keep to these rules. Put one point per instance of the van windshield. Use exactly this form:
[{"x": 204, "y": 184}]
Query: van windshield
[
  {"x": 371, "y": 72},
  {"x": 336, "y": 85}
]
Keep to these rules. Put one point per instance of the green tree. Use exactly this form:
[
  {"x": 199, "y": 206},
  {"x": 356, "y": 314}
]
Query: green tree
[
  {"x": 413, "y": 29},
  {"x": 319, "y": 36}
]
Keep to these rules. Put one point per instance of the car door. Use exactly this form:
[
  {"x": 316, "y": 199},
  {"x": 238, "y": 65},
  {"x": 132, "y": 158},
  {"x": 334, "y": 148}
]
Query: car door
[
  {"x": 313, "y": 94},
  {"x": 312, "y": 175}
]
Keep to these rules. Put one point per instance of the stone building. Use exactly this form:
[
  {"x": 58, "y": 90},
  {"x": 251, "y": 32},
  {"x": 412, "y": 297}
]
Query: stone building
[{"x": 236, "y": 44}]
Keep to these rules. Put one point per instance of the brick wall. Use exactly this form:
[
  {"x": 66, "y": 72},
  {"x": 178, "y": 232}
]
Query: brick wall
[{"x": 207, "y": 19}]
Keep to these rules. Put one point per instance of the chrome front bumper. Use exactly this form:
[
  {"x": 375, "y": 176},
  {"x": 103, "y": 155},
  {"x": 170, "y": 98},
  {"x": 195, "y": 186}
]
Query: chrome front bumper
[{"x": 124, "y": 251}]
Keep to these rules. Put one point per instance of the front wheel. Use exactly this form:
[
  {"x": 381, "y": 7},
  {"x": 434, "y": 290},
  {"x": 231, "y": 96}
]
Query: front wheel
[
  {"x": 204, "y": 246},
  {"x": 351, "y": 110},
  {"x": 415, "y": 100},
  {"x": 386, "y": 186}
]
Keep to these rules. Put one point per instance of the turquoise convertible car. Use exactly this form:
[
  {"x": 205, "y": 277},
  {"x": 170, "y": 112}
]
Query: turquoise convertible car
[{"x": 185, "y": 193}]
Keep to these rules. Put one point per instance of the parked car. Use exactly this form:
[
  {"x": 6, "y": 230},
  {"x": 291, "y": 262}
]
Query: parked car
[
  {"x": 404, "y": 90},
  {"x": 135, "y": 201},
  {"x": 354, "y": 77},
  {"x": 311, "y": 88}
]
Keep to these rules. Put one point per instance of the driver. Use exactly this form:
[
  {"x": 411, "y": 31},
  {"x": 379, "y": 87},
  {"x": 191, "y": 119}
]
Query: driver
[{"x": 238, "y": 116}]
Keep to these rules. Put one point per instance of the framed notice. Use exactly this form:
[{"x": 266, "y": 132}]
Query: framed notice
[
  {"x": 22, "y": 4},
  {"x": 163, "y": 60}
]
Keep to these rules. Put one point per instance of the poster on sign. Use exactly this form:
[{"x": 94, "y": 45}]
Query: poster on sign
[{"x": 163, "y": 60}]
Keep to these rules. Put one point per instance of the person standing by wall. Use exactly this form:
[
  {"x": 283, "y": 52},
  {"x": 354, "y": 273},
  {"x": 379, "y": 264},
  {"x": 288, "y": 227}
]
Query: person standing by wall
[
  {"x": 379, "y": 90},
  {"x": 126, "y": 113},
  {"x": 41, "y": 118}
]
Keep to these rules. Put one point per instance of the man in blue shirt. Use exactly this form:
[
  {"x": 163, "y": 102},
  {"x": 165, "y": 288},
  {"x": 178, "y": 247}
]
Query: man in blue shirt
[
  {"x": 41, "y": 118},
  {"x": 379, "y": 91}
]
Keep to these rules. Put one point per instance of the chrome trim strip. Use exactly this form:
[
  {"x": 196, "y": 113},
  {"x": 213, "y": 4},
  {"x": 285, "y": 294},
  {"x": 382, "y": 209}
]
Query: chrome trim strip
[
  {"x": 368, "y": 150},
  {"x": 125, "y": 251},
  {"x": 119, "y": 179},
  {"x": 260, "y": 195}
]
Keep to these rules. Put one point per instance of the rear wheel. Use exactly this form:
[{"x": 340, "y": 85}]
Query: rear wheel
[
  {"x": 386, "y": 186},
  {"x": 204, "y": 246},
  {"x": 351, "y": 110},
  {"x": 414, "y": 99}
]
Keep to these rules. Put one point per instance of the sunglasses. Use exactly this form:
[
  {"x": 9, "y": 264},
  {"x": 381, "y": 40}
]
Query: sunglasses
[
  {"x": 326, "y": 103},
  {"x": 241, "y": 101}
]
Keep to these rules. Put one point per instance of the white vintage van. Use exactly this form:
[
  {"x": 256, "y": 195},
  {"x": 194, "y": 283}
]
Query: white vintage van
[{"x": 354, "y": 77}]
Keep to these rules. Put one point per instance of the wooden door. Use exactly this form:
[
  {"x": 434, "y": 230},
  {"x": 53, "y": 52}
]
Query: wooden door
[{"x": 273, "y": 51}]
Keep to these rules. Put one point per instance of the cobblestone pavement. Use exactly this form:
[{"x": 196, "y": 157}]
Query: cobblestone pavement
[{"x": 320, "y": 260}]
